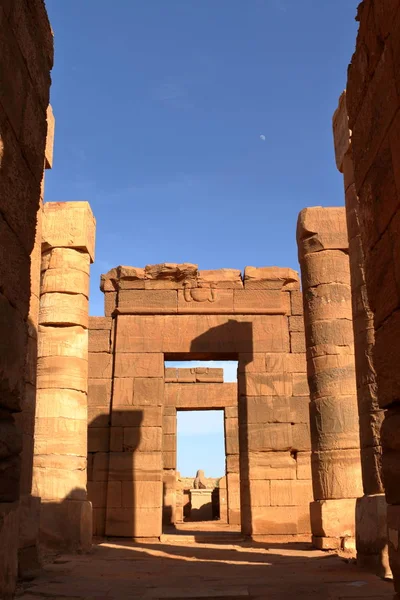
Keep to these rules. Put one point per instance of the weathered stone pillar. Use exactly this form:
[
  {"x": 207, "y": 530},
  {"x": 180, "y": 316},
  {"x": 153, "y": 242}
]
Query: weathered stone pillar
[
  {"x": 60, "y": 451},
  {"x": 371, "y": 536},
  {"x": 323, "y": 255}
]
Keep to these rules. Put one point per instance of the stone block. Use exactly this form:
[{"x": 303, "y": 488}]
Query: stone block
[
  {"x": 321, "y": 229},
  {"x": 333, "y": 518},
  {"x": 100, "y": 365},
  {"x": 69, "y": 225},
  {"x": 99, "y": 392},
  {"x": 256, "y": 301},
  {"x": 110, "y": 303},
  {"x": 135, "y": 466},
  {"x": 169, "y": 460},
  {"x": 221, "y": 278},
  {"x": 269, "y": 384},
  {"x": 301, "y": 438},
  {"x": 64, "y": 309},
  {"x": 325, "y": 268},
  {"x": 336, "y": 474},
  {"x": 61, "y": 403},
  {"x": 145, "y": 439},
  {"x": 334, "y": 423},
  {"x": 232, "y": 463},
  {"x": 258, "y": 492},
  {"x": 134, "y": 416},
  {"x": 10, "y": 437},
  {"x": 123, "y": 392},
  {"x": 371, "y": 524},
  {"x": 114, "y": 494},
  {"x": 116, "y": 439},
  {"x": 231, "y": 412},
  {"x": 29, "y": 516},
  {"x": 67, "y": 525},
  {"x": 271, "y": 278},
  {"x": 267, "y": 437},
  {"x": 98, "y": 439},
  {"x": 264, "y": 409},
  {"x": 142, "y": 522},
  {"x": 148, "y": 301},
  {"x": 274, "y": 520},
  {"x": 142, "y": 494},
  {"x": 148, "y": 391},
  {"x": 271, "y": 465},
  {"x": 66, "y": 281},
  {"x": 100, "y": 466},
  {"x": 300, "y": 385},
  {"x": 303, "y": 463},
  {"x": 169, "y": 443},
  {"x": 66, "y": 258},
  {"x": 201, "y": 395},
  {"x": 59, "y": 372},
  {"x": 100, "y": 323},
  {"x": 206, "y": 375},
  {"x": 62, "y": 341},
  {"x": 325, "y": 543},
  {"x": 299, "y": 409},
  {"x": 296, "y": 303},
  {"x": 99, "y": 340},
  {"x": 216, "y": 333},
  {"x": 205, "y": 300},
  {"x": 99, "y": 521},
  {"x": 97, "y": 493},
  {"x": 139, "y": 365},
  {"x": 297, "y": 342}
]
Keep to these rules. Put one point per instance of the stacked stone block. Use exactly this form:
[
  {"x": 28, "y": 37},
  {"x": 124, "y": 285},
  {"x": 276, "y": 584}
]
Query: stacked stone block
[
  {"x": 323, "y": 255},
  {"x": 170, "y": 312},
  {"x": 99, "y": 407},
  {"x": 373, "y": 106},
  {"x": 371, "y": 536},
  {"x": 60, "y": 451},
  {"x": 26, "y": 59}
]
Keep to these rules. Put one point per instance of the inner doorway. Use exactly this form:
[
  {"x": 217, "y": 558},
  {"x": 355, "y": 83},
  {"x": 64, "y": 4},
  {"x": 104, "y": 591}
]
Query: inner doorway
[{"x": 201, "y": 446}]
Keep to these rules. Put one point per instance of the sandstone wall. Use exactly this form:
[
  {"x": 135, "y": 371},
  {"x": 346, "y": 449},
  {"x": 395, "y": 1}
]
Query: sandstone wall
[
  {"x": 373, "y": 102},
  {"x": 174, "y": 312},
  {"x": 26, "y": 58},
  {"x": 371, "y": 536}
]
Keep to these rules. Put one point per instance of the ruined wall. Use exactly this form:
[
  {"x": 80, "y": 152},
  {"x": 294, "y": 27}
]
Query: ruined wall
[
  {"x": 175, "y": 312},
  {"x": 26, "y": 57},
  {"x": 373, "y": 102},
  {"x": 325, "y": 271},
  {"x": 371, "y": 536}
]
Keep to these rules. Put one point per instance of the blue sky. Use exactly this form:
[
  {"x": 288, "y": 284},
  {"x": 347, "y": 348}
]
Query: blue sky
[{"x": 197, "y": 129}]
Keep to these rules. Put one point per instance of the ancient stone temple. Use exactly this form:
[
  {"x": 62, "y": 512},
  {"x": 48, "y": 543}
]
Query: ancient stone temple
[
  {"x": 88, "y": 404},
  {"x": 176, "y": 312}
]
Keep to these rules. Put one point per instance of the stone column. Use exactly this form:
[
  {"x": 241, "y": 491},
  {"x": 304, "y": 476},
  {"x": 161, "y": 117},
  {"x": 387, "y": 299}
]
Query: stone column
[
  {"x": 371, "y": 536},
  {"x": 60, "y": 450},
  {"x": 231, "y": 427},
  {"x": 323, "y": 255}
]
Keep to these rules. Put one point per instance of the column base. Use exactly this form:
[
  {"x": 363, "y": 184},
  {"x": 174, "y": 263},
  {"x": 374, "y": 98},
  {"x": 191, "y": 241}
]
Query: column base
[
  {"x": 333, "y": 519},
  {"x": 371, "y": 535},
  {"x": 347, "y": 544},
  {"x": 66, "y": 525}
]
